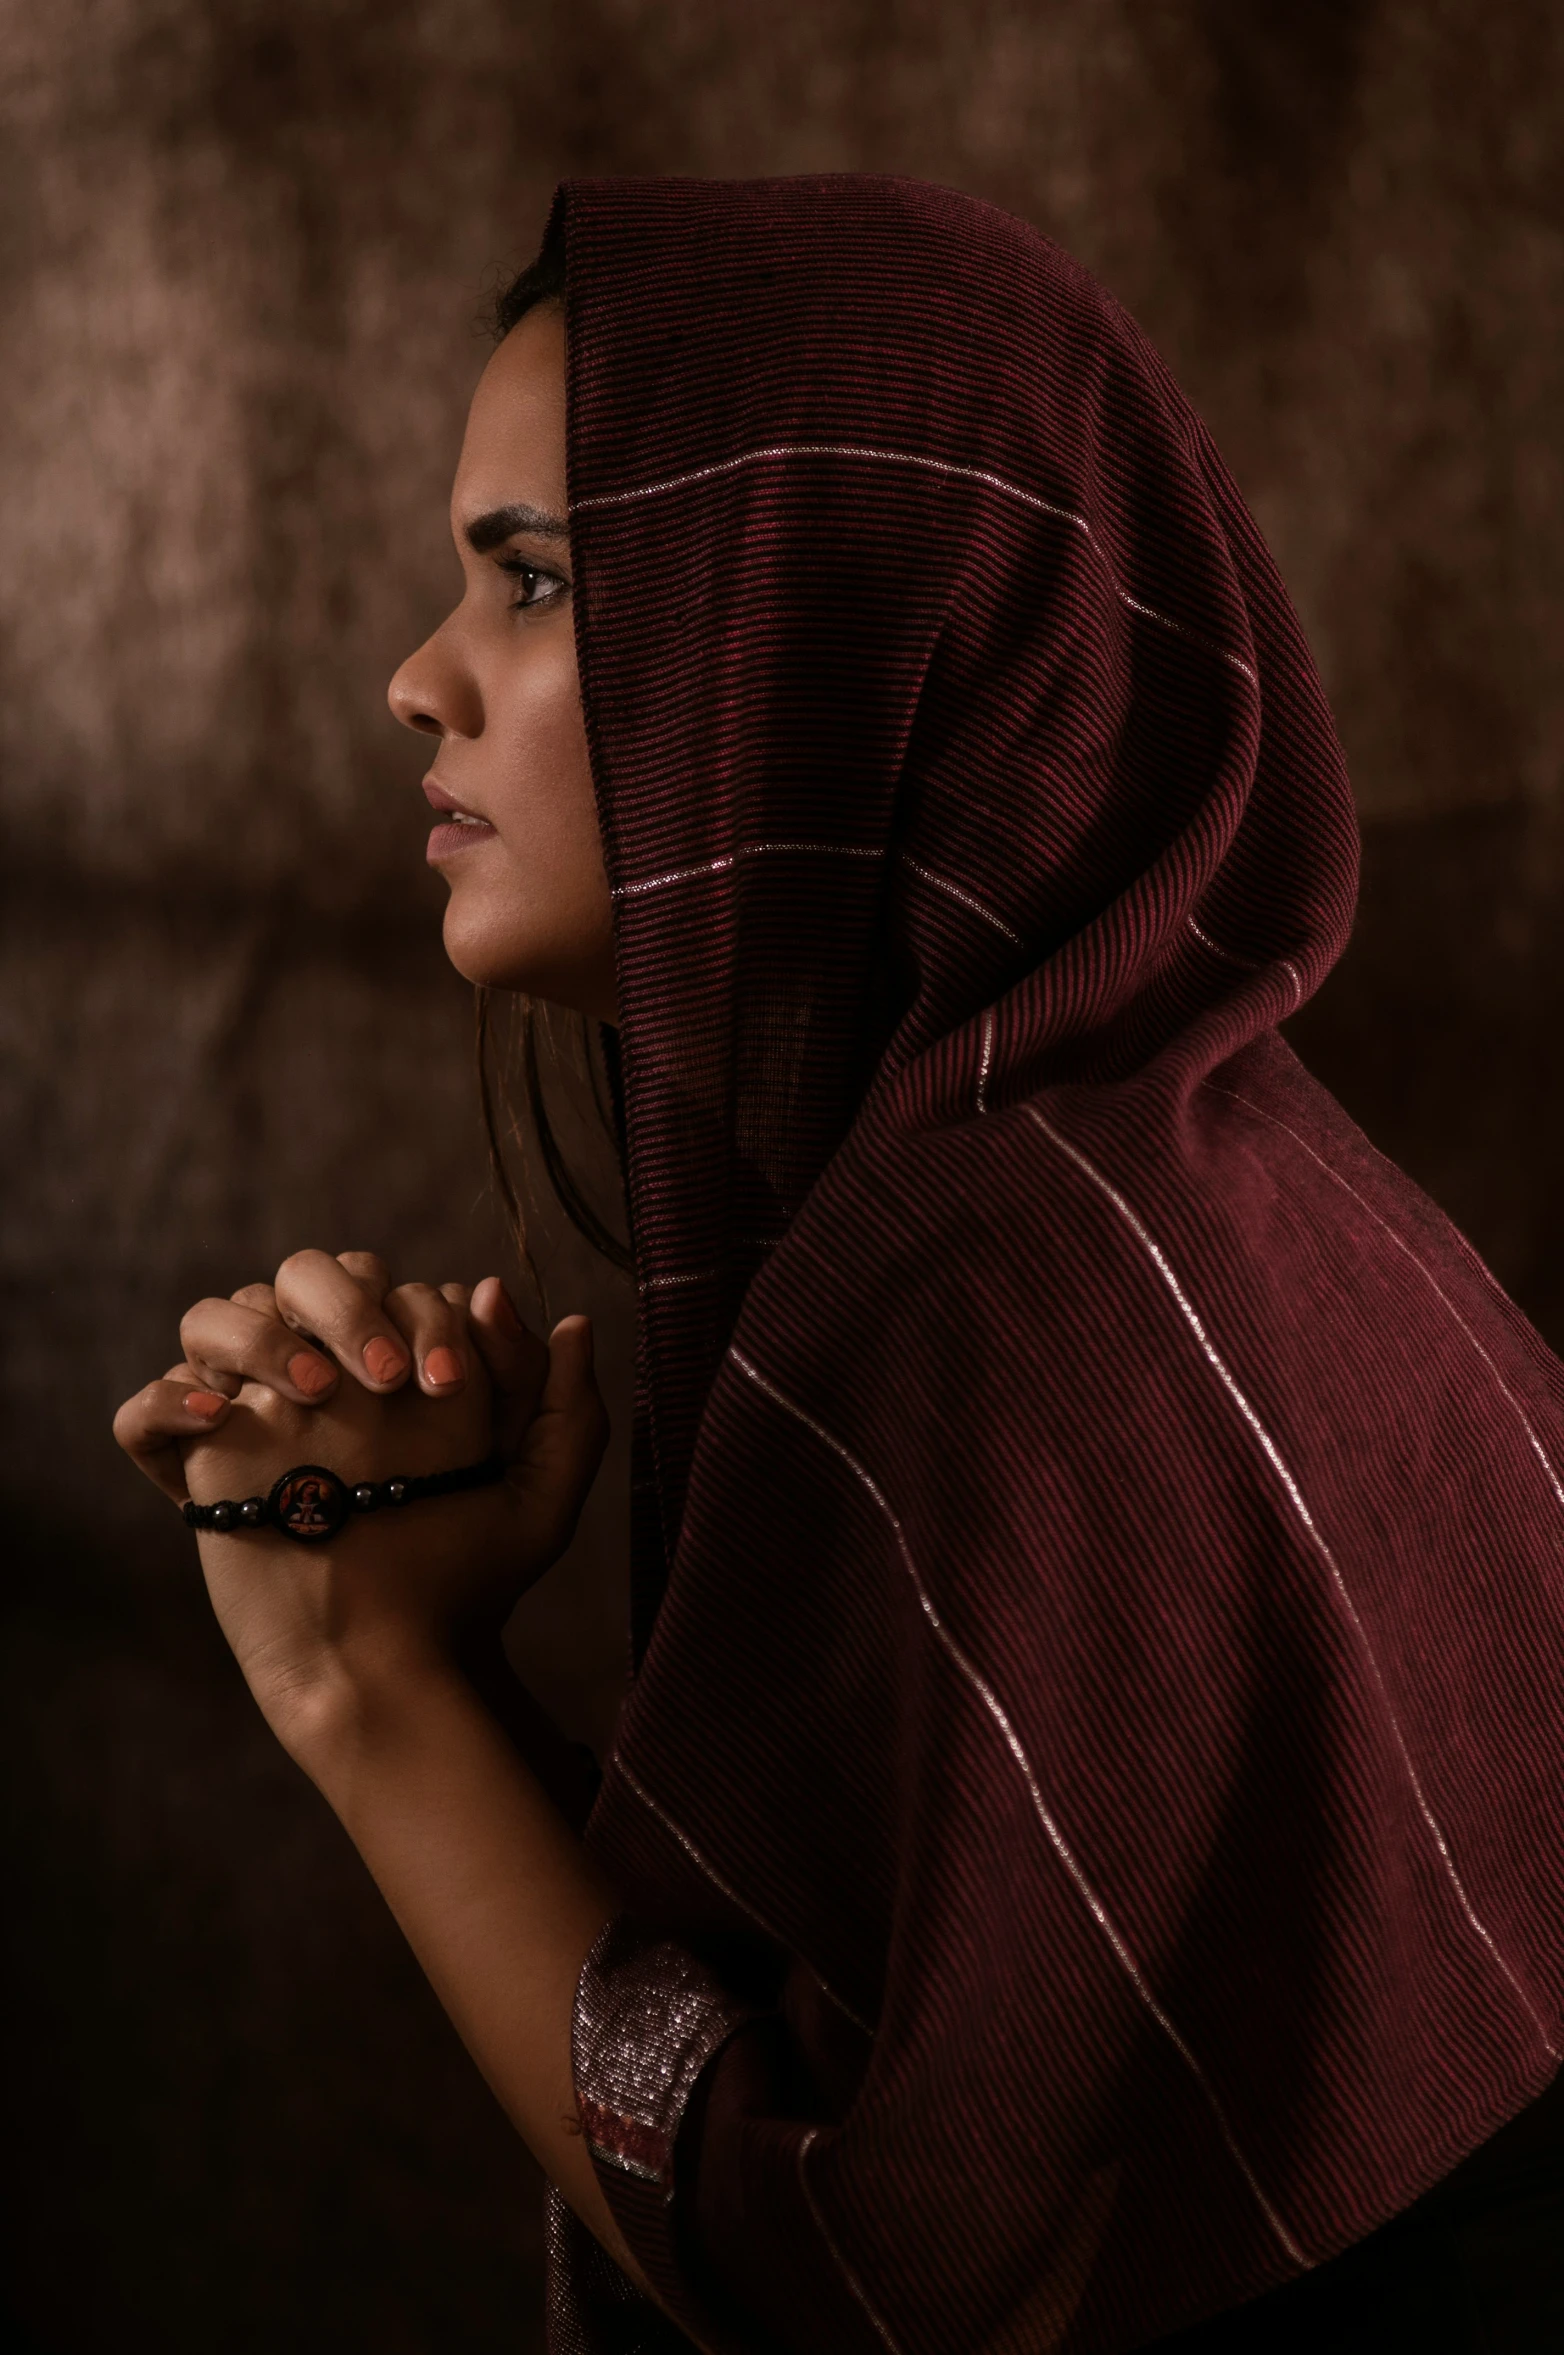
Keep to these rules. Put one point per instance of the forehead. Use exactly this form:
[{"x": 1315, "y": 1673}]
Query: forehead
[{"x": 513, "y": 452}]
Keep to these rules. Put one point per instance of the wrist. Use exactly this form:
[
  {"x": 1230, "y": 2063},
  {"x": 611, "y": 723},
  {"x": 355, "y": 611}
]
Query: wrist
[{"x": 350, "y": 1700}]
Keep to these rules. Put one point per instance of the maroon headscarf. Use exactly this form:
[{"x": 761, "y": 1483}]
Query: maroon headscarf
[{"x": 1090, "y": 1813}]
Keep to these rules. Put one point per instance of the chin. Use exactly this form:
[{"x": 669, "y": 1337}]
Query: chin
[
  {"x": 485, "y": 953},
  {"x": 494, "y": 957}
]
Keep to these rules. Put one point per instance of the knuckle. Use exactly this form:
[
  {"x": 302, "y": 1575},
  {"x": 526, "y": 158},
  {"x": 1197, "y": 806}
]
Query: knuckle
[
  {"x": 138, "y": 1414},
  {"x": 365, "y": 1267}
]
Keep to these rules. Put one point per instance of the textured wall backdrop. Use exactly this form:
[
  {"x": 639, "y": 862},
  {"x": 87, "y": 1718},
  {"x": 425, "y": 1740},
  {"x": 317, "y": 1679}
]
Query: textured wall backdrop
[{"x": 243, "y": 249}]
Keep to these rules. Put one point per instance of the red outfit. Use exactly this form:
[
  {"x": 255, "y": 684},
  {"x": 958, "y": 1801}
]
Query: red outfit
[{"x": 1090, "y": 1812}]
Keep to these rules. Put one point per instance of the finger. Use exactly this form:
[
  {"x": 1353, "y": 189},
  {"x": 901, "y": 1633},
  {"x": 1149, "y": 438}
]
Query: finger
[
  {"x": 227, "y": 1344},
  {"x": 566, "y": 1437},
  {"x": 162, "y": 1419},
  {"x": 517, "y": 1360},
  {"x": 320, "y": 1296},
  {"x": 369, "y": 1269},
  {"x": 259, "y": 1296},
  {"x": 436, "y": 1332}
]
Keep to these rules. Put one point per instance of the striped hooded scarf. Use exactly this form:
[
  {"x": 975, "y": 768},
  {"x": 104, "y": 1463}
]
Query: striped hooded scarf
[{"x": 1090, "y": 1810}]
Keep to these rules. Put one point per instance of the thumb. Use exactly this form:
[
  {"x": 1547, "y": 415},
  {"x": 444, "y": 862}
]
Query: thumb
[
  {"x": 565, "y": 1439},
  {"x": 517, "y": 1361}
]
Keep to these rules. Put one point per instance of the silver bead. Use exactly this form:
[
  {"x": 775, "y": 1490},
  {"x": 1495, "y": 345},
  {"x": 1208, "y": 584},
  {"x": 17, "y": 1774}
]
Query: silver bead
[
  {"x": 397, "y": 1492},
  {"x": 251, "y": 1510},
  {"x": 363, "y": 1496}
]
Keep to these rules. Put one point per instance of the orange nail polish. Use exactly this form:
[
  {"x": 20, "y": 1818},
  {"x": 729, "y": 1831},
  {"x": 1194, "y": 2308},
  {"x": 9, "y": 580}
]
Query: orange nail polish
[
  {"x": 384, "y": 1360},
  {"x": 309, "y": 1373},
  {"x": 443, "y": 1367},
  {"x": 205, "y": 1403}
]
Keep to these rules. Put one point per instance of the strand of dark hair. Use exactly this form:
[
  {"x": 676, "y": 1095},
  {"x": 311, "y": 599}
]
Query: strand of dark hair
[
  {"x": 580, "y": 1212},
  {"x": 498, "y": 1120},
  {"x": 542, "y": 281},
  {"x": 499, "y": 1167}
]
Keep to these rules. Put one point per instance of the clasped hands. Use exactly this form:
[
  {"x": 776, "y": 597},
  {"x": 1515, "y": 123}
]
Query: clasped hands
[{"x": 332, "y": 1364}]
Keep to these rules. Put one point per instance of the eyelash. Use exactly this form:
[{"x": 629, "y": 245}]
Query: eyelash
[{"x": 519, "y": 570}]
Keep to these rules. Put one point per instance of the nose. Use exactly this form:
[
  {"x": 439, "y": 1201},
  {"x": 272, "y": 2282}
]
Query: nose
[
  {"x": 433, "y": 693},
  {"x": 410, "y": 697}
]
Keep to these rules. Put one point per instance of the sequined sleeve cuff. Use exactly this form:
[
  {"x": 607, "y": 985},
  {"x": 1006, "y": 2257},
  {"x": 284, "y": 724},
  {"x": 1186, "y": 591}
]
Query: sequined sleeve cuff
[{"x": 649, "y": 2018}]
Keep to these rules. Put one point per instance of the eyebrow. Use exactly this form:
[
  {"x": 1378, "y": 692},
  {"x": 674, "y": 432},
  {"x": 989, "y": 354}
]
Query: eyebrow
[{"x": 503, "y": 523}]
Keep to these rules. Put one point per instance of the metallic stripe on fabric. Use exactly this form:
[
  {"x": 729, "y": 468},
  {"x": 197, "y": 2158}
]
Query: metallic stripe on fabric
[
  {"x": 943, "y": 466},
  {"x": 829, "y": 2238},
  {"x": 703, "y": 1863},
  {"x": 955, "y": 892},
  {"x": 1057, "y": 1841},
  {"x": 1244, "y": 964},
  {"x": 748, "y": 850},
  {"x": 1294, "y": 1494},
  {"x": 1403, "y": 1245},
  {"x": 985, "y": 1059}
]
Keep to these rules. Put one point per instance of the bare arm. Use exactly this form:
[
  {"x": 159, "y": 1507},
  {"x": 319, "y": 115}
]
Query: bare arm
[
  {"x": 494, "y": 1893},
  {"x": 354, "y": 1648}
]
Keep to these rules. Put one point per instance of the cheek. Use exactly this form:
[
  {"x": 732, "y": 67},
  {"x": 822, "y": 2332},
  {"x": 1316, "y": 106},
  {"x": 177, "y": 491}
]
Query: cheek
[
  {"x": 529, "y": 908},
  {"x": 541, "y": 799}
]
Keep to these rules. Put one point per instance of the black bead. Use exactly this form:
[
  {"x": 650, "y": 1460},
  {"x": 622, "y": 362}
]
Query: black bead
[
  {"x": 363, "y": 1496},
  {"x": 396, "y": 1492},
  {"x": 223, "y": 1515},
  {"x": 251, "y": 1510}
]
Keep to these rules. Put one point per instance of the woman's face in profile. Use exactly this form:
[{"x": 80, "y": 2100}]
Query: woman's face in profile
[{"x": 517, "y": 837}]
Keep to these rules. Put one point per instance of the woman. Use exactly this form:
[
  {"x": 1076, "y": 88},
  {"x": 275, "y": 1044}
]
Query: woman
[{"x": 1085, "y": 1845}]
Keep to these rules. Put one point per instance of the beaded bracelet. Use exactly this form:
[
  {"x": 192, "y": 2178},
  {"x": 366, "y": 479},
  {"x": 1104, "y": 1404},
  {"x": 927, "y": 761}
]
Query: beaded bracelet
[{"x": 310, "y": 1504}]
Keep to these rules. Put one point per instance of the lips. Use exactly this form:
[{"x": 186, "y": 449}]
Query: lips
[{"x": 462, "y": 827}]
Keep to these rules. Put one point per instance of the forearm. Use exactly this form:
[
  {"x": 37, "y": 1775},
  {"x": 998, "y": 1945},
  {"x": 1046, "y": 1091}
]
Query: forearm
[{"x": 493, "y": 1891}]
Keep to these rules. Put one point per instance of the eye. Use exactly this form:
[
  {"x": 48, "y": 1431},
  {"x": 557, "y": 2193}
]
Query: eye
[{"x": 536, "y": 586}]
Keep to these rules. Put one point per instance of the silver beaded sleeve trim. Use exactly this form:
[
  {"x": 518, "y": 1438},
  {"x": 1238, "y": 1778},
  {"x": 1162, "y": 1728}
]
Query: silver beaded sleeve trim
[{"x": 648, "y": 2018}]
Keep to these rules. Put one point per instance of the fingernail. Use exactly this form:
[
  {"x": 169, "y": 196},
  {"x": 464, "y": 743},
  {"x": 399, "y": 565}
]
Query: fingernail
[
  {"x": 205, "y": 1403},
  {"x": 384, "y": 1360},
  {"x": 310, "y": 1373},
  {"x": 443, "y": 1367}
]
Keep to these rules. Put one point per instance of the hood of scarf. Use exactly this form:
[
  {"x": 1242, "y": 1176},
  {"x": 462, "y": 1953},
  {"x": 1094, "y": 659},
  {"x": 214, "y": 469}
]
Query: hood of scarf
[{"x": 947, "y": 712}]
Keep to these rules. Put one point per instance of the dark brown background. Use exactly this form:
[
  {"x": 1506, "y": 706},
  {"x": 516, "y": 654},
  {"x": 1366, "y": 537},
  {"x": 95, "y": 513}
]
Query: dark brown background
[{"x": 244, "y": 248}]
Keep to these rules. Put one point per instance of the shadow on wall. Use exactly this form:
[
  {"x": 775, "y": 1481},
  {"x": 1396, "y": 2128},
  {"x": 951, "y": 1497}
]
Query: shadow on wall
[{"x": 243, "y": 247}]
